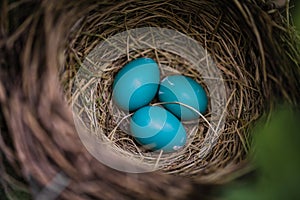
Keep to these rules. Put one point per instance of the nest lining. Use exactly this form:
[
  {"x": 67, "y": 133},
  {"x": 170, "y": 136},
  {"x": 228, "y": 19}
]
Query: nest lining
[{"x": 114, "y": 123}]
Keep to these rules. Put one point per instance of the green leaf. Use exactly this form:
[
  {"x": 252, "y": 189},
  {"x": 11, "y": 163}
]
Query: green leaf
[{"x": 276, "y": 155}]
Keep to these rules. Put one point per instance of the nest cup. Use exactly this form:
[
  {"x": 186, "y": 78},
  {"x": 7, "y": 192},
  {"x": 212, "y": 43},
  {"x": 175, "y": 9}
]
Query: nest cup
[
  {"x": 241, "y": 40},
  {"x": 222, "y": 37},
  {"x": 93, "y": 86}
]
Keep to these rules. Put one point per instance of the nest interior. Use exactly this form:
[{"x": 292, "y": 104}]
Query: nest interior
[{"x": 252, "y": 44}]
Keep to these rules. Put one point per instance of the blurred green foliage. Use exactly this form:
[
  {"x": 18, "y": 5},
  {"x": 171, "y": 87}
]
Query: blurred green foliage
[
  {"x": 276, "y": 155},
  {"x": 295, "y": 11}
]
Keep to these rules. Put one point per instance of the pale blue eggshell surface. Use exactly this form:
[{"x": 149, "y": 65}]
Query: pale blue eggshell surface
[
  {"x": 179, "y": 88},
  {"x": 136, "y": 84},
  {"x": 157, "y": 129}
]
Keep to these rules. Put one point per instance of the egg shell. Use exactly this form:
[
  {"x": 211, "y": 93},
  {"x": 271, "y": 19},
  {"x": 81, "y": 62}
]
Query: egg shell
[
  {"x": 136, "y": 84},
  {"x": 179, "y": 88},
  {"x": 157, "y": 129}
]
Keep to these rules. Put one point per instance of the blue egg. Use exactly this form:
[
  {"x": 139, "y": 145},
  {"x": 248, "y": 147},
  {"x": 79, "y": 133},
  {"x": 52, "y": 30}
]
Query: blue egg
[
  {"x": 178, "y": 88},
  {"x": 157, "y": 129},
  {"x": 136, "y": 84}
]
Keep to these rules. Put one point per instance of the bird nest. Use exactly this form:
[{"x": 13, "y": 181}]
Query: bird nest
[{"x": 243, "y": 53}]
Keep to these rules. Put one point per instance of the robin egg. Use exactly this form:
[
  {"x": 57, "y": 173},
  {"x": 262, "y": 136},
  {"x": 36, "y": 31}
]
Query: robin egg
[
  {"x": 178, "y": 88},
  {"x": 157, "y": 129},
  {"x": 136, "y": 84}
]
